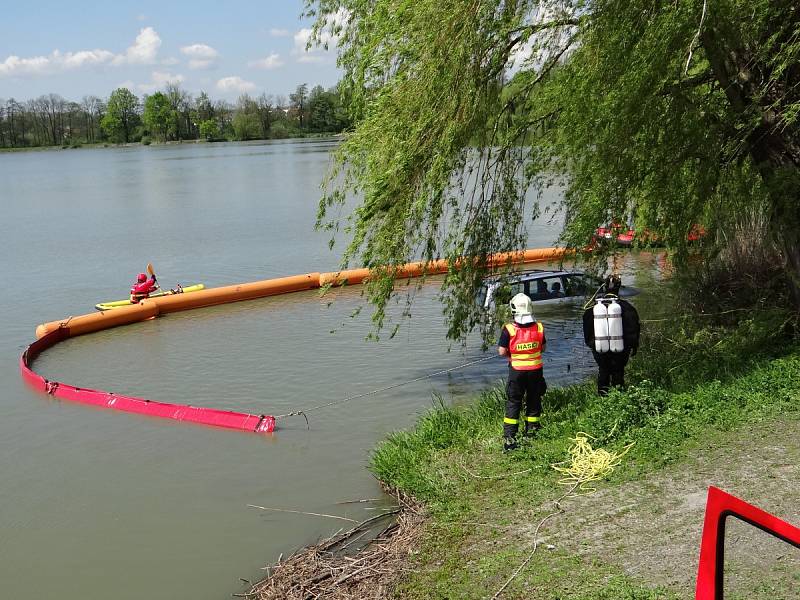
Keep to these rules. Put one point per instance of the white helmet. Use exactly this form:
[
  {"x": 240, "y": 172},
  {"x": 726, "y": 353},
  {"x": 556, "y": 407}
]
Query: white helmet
[{"x": 522, "y": 309}]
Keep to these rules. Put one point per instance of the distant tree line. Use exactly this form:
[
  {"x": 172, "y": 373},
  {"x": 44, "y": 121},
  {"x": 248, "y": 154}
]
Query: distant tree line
[{"x": 171, "y": 114}]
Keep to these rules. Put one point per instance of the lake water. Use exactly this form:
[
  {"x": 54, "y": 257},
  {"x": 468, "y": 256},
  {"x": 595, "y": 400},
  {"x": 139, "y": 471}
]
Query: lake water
[{"x": 96, "y": 503}]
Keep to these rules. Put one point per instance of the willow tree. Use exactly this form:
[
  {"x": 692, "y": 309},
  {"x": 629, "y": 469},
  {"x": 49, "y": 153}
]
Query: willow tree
[{"x": 681, "y": 112}]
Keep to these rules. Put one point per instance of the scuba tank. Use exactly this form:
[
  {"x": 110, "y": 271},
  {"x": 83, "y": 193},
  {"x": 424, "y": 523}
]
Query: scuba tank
[
  {"x": 616, "y": 343},
  {"x": 601, "y": 341}
]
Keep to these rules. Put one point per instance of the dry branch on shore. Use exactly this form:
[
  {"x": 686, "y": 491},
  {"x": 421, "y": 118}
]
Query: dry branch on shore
[{"x": 326, "y": 570}]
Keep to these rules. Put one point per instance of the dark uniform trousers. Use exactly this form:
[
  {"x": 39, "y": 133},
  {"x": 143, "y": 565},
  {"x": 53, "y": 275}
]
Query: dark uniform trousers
[
  {"x": 530, "y": 385},
  {"x": 611, "y": 369}
]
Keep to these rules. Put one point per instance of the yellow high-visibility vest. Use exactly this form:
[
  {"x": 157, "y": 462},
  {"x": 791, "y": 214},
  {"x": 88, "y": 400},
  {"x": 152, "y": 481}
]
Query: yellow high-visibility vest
[{"x": 525, "y": 346}]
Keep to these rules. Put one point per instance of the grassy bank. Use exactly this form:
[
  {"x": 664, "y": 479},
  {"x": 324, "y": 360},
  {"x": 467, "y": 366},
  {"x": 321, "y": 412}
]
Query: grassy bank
[{"x": 690, "y": 384}]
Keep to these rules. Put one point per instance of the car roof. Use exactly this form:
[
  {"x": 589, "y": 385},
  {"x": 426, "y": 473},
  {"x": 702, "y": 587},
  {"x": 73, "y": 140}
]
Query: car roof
[{"x": 533, "y": 275}]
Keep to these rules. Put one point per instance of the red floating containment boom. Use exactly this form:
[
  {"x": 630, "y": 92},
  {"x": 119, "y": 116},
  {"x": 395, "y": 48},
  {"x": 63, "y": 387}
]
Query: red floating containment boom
[{"x": 179, "y": 412}]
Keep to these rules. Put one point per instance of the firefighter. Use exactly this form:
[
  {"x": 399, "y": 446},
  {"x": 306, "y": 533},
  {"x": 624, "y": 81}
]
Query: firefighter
[
  {"x": 522, "y": 342},
  {"x": 611, "y": 347}
]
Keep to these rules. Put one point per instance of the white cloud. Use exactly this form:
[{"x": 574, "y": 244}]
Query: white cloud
[
  {"x": 168, "y": 62},
  {"x": 14, "y": 65},
  {"x": 200, "y": 51},
  {"x": 143, "y": 51},
  {"x": 159, "y": 79},
  {"x": 304, "y": 54},
  {"x": 542, "y": 47},
  {"x": 273, "y": 61},
  {"x": 235, "y": 84},
  {"x": 202, "y": 56},
  {"x": 327, "y": 38},
  {"x": 520, "y": 55},
  {"x": 56, "y": 61},
  {"x": 163, "y": 77},
  {"x": 75, "y": 60},
  {"x": 197, "y": 63},
  {"x": 279, "y": 32}
]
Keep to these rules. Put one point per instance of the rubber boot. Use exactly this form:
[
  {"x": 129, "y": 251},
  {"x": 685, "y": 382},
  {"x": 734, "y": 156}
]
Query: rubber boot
[
  {"x": 509, "y": 444},
  {"x": 531, "y": 429}
]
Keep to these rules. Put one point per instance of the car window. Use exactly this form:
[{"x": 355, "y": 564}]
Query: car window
[
  {"x": 545, "y": 288},
  {"x": 576, "y": 285},
  {"x": 480, "y": 297},
  {"x": 582, "y": 284},
  {"x": 505, "y": 292}
]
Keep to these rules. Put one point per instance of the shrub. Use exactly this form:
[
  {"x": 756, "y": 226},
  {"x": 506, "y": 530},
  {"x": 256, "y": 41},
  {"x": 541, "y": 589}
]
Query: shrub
[
  {"x": 746, "y": 271},
  {"x": 246, "y": 126},
  {"x": 279, "y": 130},
  {"x": 209, "y": 130}
]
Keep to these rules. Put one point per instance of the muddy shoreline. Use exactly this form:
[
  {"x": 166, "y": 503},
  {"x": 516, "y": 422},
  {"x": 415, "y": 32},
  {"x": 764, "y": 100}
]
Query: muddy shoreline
[{"x": 345, "y": 566}]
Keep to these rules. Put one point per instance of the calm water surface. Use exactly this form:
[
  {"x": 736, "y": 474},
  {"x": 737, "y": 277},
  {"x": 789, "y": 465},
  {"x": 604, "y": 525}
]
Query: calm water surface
[{"x": 98, "y": 503}]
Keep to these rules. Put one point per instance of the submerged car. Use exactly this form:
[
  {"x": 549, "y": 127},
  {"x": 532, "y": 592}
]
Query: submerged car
[{"x": 545, "y": 287}]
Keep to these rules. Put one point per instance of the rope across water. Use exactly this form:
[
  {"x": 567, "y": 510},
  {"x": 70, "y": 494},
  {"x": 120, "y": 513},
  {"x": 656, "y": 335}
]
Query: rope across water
[{"x": 384, "y": 389}]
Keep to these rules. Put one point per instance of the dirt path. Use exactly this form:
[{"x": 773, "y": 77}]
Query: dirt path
[{"x": 651, "y": 528}]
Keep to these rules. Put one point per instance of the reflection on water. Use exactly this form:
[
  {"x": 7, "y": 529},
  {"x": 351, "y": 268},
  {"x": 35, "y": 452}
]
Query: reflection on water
[{"x": 92, "y": 498}]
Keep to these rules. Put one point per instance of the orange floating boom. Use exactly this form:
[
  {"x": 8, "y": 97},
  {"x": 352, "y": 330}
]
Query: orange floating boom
[{"x": 153, "y": 307}]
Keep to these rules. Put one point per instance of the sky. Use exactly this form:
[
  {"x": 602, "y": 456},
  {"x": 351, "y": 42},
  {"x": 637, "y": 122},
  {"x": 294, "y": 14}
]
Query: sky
[{"x": 82, "y": 48}]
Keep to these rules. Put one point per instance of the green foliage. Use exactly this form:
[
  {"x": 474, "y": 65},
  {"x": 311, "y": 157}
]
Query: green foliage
[
  {"x": 425, "y": 85},
  {"x": 747, "y": 275},
  {"x": 325, "y": 113},
  {"x": 52, "y": 120},
  {"x": 145, "y": 141},
  {"x": 209, "y": 130},
  {"x": 159, "y": 116},
  {"x": 279, "y": 130},
  {"x": 465, "y": 111},
  {"x": 440, "y": 429},
  {"x": 299, "y": 102},
  {"x": 637, "y": 132},
  {"x": 203, "y": 108},
  {"x": 122, "y": 116},
  {"x": 246, "y": 126}
]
